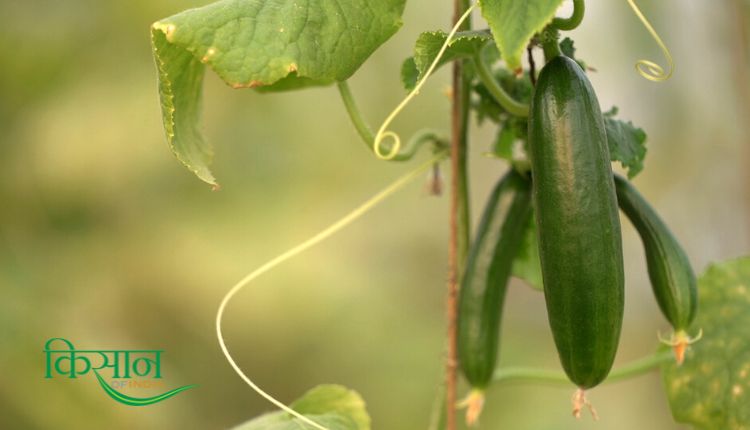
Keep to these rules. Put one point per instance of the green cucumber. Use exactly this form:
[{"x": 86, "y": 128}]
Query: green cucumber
[
  {"x": 580, "y": 243},
  {"x": 672, "y": 277},
  {"x": 498, "y": 239}
]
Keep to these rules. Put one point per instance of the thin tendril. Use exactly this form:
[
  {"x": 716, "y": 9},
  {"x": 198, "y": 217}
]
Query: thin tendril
[
  {"x": 314, "y": 240},
  {"x": 383, "y": 132},
  {"x": 646, "y": 68}
]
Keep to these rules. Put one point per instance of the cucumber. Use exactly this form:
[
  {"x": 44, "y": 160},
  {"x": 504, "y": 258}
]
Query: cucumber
[
  {"x": 498, "y": 239},
  {"x": 580, "y": 243},
  {"x": 672, "y": 277},
  {"x": 483, "y": 285}
]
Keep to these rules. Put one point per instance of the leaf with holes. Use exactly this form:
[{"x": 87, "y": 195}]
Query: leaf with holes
[
  {"x": 333, "y": 406},
  {"x": 271, "y": 44},
  {"x": 711, "y": 390},
  {"x": 514, "y": 23}
]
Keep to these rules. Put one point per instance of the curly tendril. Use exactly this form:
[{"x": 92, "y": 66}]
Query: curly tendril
[
  {"x": 647, "y": 68},
  {"x": 298, "y": 249},
  {"x": 383, "y": 132}
]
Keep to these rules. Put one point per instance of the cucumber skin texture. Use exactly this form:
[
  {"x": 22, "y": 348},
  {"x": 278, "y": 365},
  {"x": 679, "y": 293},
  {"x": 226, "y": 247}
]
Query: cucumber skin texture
[
  {"x": 484, "y": 283},
  {"x": 672, "y": 276},
  {"x": 580, "y": 242}
]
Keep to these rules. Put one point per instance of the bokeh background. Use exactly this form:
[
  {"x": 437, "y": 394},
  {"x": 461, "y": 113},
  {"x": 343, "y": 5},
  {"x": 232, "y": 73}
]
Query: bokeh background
[{"x": 107, "y": 241}]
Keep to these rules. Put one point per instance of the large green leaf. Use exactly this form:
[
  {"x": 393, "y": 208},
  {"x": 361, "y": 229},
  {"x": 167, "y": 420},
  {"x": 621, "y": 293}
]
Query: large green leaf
[
  {"x": 514, "y": 23},
  {"x": 332, "y": 406},
  {"x": 269, "y": 44},
  {"x": 711, "y": 390},
  {"x": 465, "y": 44}
]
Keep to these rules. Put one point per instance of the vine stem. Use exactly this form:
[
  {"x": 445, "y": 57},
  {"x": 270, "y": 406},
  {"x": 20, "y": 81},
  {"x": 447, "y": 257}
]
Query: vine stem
[
  {"x": 567, "y": 24},
  {"x": 550, "y": 45},
  {"x": 368, "y": 137},
  {"x": 741, "y": 58},
  {"x": 498, "y": 93},
  {"x": 364, "y": 130},
  {"x": 630, "y": 370},
  {"x": 383, "y": 132},
  {"x": 459, "y": 216},
  {"x": 532, "y": 65}
]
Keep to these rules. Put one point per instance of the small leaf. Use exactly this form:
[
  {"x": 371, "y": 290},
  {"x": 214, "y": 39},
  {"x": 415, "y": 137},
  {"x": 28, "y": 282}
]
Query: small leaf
[
  {"x": 275, "y": 44},
  {"x": 506, "y": 137},
  {"x": 711, "y": 390},
  {"x": 627, "y": 143},
  {"x": 568, "y": 48},
  {"x": 465, "y": 44},
  {"x": 332, "y": 406},
  {"x": 409, "y": 74},
  {"x": 527, "y": 264},
  {"x": 514, "y": 23}
]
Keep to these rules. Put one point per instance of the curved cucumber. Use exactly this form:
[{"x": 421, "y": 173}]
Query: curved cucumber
[
  {"x": 484, "y": 282},
  {"x": 672, "y": 277},
  {"x": 578, "y": 226}
]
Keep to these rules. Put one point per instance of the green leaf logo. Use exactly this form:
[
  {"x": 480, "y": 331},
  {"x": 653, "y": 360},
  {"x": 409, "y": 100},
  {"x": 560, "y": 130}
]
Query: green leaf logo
[{"x": 138, "y": 401}]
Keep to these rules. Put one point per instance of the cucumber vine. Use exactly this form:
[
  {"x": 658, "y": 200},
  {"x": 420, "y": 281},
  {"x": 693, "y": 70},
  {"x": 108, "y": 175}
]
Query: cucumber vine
[{"x": 552, "y": 220}]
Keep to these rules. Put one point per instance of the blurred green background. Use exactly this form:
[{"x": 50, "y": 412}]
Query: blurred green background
[{"x": 107, "y": 241}]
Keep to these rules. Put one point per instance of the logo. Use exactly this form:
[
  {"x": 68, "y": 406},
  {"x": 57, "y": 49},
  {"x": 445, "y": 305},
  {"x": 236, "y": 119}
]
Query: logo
[{"x": 123, "y": 364}]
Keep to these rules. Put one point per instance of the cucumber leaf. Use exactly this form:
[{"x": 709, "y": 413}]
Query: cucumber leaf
[
  {"x": 409, "y": 74},
  {"x": 337, "y": 399},
  {"x": 465, "y": 44},
  {"x": 627, "y": 143},
  {"x": 568, "y": 48},
  {"x": 514, "y": 23},
  {"x": 711, "y": 390},
  {"x": 332, "y": 406},
  {"x": 271, "y": 44},
  {"x": 503, "y": 148}
]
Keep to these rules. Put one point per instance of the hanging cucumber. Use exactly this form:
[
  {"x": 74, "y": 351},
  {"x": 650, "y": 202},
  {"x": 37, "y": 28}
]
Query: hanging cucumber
[
  {"x": 484, "y": 282},
  {"x": 672, "y": 277},
  {"x": 578, "y": 226}
]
